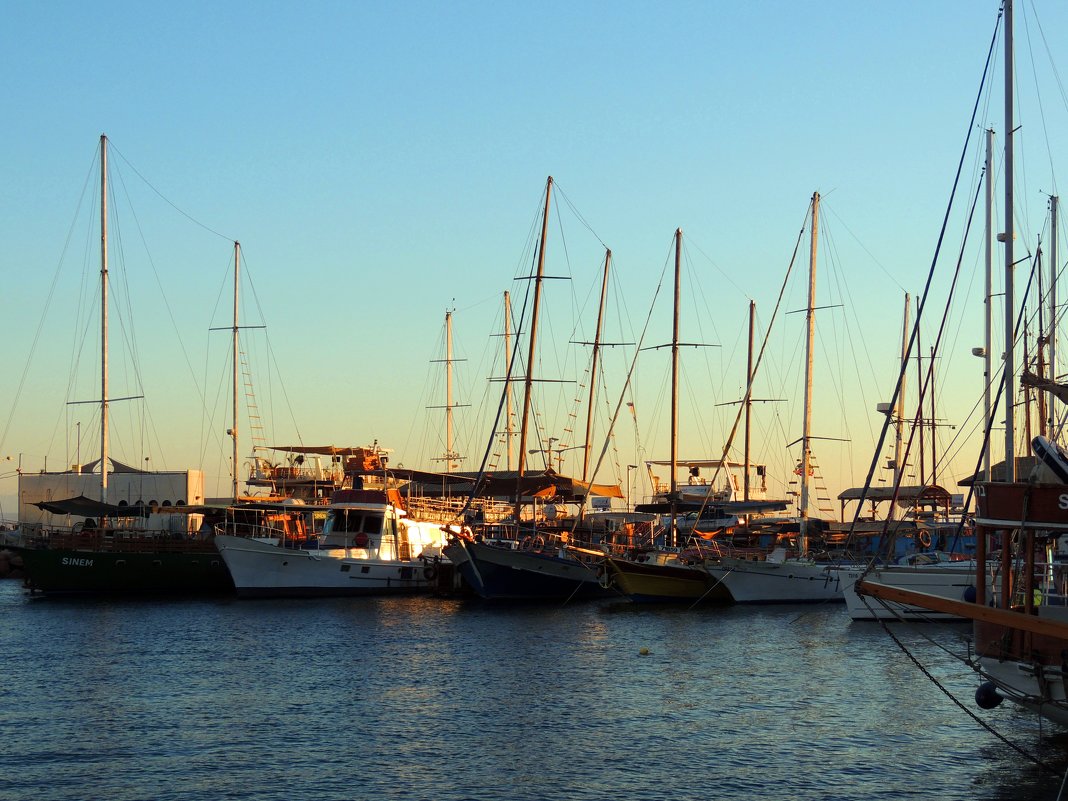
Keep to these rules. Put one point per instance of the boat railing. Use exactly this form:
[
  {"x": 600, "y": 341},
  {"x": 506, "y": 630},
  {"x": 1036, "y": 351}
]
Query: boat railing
[
  {"x": 118, "y": 540},
  {"x": 449, "y": 509}
]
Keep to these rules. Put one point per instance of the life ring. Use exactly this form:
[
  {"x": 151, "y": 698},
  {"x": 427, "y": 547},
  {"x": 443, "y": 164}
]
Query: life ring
[
  {"x": 925, "y": 538},
  {"x": 429, "y": 573},
  {"x": 526, "y": 543},
  {"x": 361, "y": 540},
  {"x": 538, "y": 544}
]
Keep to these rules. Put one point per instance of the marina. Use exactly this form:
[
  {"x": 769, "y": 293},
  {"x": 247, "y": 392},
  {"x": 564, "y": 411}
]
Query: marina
[{"x": 502, "y": 459}]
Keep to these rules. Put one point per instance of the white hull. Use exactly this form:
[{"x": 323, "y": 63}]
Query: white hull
[
  {"x": 785, "y": 582},
  {"x": 263, "y": 570},
  {"x": 953, "y": 580},
  {"x": 1038, "y": 688}
]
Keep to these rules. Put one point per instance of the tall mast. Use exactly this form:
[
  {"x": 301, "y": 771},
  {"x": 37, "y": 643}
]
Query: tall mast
[
  {"x": 509, "y": 425},
  {"x": 934, "y": 423},
  {"x": 593, "y": 366},
  {"x": 899, "y": 429},
  {"x": 1010, "y": 359},
  {"x": 533, "y": 341},
  {"x": 988, "y": 311},
  {"x": 919, "y": 408},
  {"x": 810, "y": 341},
  {"x": 1052, "y": 336},
  {"x": 237, "y": 283},
  {"x": 675, "y": 388},
  {"x": 103, "y": 318},
  {"x": 448, "y": 393},
  {"x": 748, "y": 401}
]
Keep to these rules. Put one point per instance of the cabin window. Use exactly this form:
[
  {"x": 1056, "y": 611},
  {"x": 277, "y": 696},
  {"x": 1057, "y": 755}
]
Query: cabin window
[
  {"x": 372, "y": 524},
  {"x": 365, "y": 569},
  {"x": 346, "y": 568}
]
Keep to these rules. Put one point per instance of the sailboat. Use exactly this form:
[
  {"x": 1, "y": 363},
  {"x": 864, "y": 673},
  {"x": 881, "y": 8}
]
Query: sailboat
[
  {"x": 121, "y": 544},
  {"x": 533, "y": 559},
  {"x": 668, "y": 575},
  {"x": 789, "y": 577}
]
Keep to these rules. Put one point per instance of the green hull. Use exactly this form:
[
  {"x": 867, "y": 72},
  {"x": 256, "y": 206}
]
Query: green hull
[{"x": 196, "y": 570}]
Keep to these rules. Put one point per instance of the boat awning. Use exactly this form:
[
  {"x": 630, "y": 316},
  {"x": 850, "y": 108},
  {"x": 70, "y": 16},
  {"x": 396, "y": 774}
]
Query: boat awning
[
  {"x": 328, "y": 450},
  {"x": 906, "y": 496},
  {"x": 87, "y": 507},
  {"x": 722, "y": 507}
]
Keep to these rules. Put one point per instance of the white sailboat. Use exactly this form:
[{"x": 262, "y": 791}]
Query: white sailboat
[{"x": 782, "y": 578}]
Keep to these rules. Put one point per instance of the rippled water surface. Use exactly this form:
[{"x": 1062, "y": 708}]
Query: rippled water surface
[{"x": 422, "y": 698}]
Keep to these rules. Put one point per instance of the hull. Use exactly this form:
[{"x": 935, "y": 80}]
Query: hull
[
  {"x": 657, "y": 583},
  {"x": 952, "y": 582},
  {"x": 786, "y": 582},
  {"x": 1027, "y": 668},
  {"x": 496, "y": 572},
  {"x": 262, "y": 570},
  {"x": 140, "y": 568}
]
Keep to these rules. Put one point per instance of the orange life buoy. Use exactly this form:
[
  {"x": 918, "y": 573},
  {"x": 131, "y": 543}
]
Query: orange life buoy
[{"x": 925, "y": 539}]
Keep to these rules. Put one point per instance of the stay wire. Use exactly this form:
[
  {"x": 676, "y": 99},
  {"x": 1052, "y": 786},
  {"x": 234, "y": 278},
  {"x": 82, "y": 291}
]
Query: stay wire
[{"x": 930, "y": 278}]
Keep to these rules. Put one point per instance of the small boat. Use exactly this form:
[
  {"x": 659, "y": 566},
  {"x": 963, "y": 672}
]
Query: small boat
[
  {"x": 932, "y": 572},
  {"x": 666, "y": 578},
  {"x": 369, "y": 546}
]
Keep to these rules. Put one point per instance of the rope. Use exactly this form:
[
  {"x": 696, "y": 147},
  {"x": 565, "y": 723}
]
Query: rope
[{"x": 1030, "y": 757}]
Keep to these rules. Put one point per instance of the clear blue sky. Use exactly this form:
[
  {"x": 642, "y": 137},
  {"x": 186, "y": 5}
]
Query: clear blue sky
[{"x": 383, "y": 162}]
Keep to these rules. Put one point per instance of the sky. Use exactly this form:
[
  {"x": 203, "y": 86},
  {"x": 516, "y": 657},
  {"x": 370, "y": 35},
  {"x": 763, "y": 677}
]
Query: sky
[{"x": 384, "y": 163}]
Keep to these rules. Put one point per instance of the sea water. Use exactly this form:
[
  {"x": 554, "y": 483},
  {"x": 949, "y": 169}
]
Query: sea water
[{"x": 424, "y": 698}]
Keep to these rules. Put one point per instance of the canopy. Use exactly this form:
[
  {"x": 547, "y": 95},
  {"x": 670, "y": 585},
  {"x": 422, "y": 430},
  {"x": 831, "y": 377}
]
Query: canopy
[
  {"x": 906, "y": 496},
  {"x": 87, "y": 507},
  {"x": 329, "y": 450},
  {"x": 504, "y": 483}
]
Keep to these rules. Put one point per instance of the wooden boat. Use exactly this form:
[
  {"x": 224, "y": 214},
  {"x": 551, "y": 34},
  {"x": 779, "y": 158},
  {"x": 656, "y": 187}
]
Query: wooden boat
[
  {"x": 369, "y": 546},
  {"x": 1020, "y": 624},
  {"x": 527, "y": 570},
  {"x": 119, "y": 551},
  {"x": 124, "y": 547},
  {"x": 665, "y": 579}
]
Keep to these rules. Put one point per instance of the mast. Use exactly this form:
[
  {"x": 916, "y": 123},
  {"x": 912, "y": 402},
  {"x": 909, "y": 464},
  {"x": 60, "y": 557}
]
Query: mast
[
  {"x": 899, "y": 432},
  {"x": 103, "y": 318},
  {"x": 448, "y": 393},
  {"x": 237, "y": 283},
  {"x": 919, "y": 408},
  {"x": 593, "y": 367},
  {"x": 1010, "y": 359},
  {"x": 810, "y": 339},
  {"x": 1052, "y": 336},
  {"x": 748, "y": 401},
  {"x": 934, "y": 432},
  {"x": 509, "y": 425},
  {"x": 533, "y": 341},
  {"x": 988, "y": 312},
  {"x": 675, "y": 389}
]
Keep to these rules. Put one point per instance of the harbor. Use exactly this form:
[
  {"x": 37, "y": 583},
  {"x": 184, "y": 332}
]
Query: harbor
[{"x": 463, "y": 452}]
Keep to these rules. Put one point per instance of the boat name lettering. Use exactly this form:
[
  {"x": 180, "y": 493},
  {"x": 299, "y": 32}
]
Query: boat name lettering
[
  {"x": 71, "y": 561},
  {"x": 1062, "y": 501}
]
